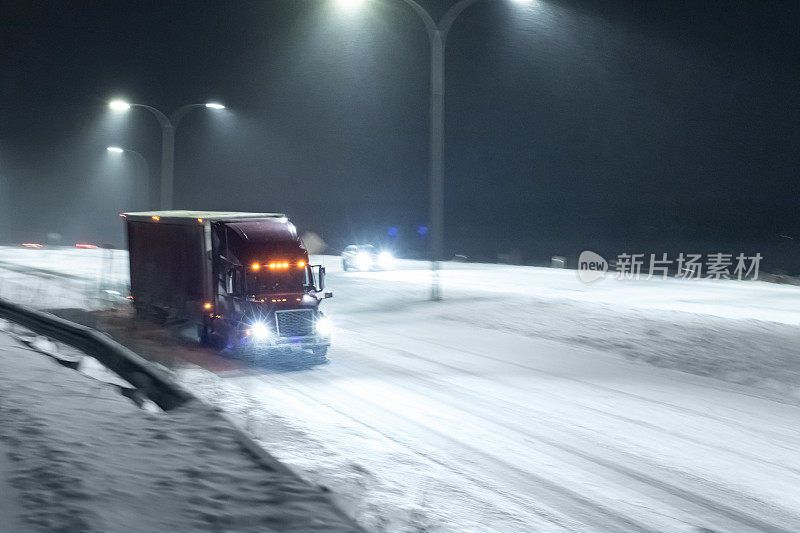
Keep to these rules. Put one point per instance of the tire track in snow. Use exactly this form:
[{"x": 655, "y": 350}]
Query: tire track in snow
[
  {"x": 580, "y": 505},
  {"x": 693, "y": 498},
  {"x": 790, "y": 444},
  {"x": 561, "y": 398},
  {"x": 724, "y": 514}
]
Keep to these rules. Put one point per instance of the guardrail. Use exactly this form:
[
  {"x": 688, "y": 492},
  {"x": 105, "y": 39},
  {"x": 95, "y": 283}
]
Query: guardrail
[
  {"x": 157, "y": 385},
  {"x": 152, "y": 381}
]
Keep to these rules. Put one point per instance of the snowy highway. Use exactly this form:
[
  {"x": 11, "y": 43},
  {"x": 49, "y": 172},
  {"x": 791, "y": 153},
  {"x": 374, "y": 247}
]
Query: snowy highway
[{"x": 526, "y": 401}]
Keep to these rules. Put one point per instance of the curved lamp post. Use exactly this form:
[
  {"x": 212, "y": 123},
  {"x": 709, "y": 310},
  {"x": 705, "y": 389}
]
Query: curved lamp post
[
  {"x": 141, "y": 161},
  {"x": 168, "y": 125},
  {"x": 437, "y": 36}
]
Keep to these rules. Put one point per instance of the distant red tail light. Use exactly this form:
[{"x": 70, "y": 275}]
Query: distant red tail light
[
  {"x": 84, "y": 245},
  {"x": 31, "y": 245}
]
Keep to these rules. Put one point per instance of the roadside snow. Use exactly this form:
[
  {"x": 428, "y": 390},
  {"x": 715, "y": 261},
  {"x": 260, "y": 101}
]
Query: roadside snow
[
  {"x": 83, "y": 458},
  {"x": 10, "y": 499}
]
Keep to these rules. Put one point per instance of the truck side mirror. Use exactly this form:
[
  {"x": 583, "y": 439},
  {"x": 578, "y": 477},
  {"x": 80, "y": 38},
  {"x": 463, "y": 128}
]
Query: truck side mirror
[{"x": 318, "y": 281}]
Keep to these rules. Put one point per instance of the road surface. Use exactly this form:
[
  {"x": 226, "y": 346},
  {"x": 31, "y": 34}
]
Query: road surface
[{"x": 527, "y": 401}]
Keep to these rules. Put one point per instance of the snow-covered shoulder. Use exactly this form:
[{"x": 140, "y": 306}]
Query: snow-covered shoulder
[{"x": 80, "y": 457}]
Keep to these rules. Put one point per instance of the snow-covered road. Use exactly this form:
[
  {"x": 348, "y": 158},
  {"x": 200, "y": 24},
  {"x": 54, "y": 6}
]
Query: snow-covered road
[{"x": 527, "y": 401}]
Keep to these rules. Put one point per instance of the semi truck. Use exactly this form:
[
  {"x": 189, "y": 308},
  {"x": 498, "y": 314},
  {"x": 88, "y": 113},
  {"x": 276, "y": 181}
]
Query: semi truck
[{"x": 243, "y": 279}]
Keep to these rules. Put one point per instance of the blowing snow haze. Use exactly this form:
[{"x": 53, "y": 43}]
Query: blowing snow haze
[
  {"x": 614, "y": 126},
  {"x": 436, "y": 367}
]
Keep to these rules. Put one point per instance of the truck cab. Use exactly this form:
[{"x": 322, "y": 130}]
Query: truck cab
[
  {"x": 243, "y": 278},
  {"x": 268, "y": 294}
]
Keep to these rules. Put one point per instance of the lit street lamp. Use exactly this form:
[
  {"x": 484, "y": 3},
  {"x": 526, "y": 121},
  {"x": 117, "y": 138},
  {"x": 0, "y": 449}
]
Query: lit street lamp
[
  {"x": 119, "y": 105},
  {"x": 437, "y": 36},
  {"x": 168, "y": 125},
  {"x": 145, "y": 167}
]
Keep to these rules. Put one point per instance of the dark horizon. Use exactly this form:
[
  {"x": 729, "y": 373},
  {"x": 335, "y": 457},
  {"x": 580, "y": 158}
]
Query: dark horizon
[{"x": 621, "y": 127}]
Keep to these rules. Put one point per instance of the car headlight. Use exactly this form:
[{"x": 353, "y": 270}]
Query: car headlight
[
  {"x": 260, "y": 331},
  {"x": 324, "y": 326},
  {"x": 385, "y": 259},
  {"x": 363, "y": 261}
]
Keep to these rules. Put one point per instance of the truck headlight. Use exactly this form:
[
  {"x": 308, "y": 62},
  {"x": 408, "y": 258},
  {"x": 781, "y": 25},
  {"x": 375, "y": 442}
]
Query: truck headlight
[
  {"x": 260, "y": 331},
  {"x": 324, "y": 326}
]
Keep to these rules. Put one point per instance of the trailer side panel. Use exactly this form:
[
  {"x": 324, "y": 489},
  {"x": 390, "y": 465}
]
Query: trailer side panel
[{"x": 167, "y": 266}]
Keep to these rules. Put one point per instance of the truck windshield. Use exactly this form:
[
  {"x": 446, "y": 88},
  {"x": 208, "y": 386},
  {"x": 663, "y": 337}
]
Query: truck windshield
[{"x": 277, "y": 281}]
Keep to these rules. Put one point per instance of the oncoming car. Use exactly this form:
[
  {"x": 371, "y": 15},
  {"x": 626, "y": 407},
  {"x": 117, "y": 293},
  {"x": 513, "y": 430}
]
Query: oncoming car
[{"x": 365, "y": 257}]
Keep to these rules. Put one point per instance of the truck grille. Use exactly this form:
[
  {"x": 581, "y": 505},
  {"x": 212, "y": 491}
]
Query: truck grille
[{"x": 298, "y": 323}]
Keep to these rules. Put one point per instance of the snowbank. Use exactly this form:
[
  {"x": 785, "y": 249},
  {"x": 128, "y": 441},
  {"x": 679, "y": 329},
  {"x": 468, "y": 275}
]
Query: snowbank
[{"x": 84, "y": 458}]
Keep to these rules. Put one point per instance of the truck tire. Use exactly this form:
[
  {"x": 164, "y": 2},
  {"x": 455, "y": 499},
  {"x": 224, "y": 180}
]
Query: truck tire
[
  {"x": 344, "y": 265},
  {"x": 233, "y": 346}
]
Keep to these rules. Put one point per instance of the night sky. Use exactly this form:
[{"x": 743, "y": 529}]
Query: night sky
[{"x": 616, "y": 126}]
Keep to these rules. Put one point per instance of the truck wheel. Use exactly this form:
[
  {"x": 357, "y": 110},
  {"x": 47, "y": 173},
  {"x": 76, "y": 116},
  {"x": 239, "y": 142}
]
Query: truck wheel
[
  {"x": 344, "y": 265},
  {"x": 320, "y": 351},
  {"x": 234, "y": 346}
]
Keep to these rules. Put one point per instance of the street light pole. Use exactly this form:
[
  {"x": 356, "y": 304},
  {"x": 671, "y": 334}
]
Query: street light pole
[
  {"x": 167, "y": 154},
  {"x": 437, "y": 36},
  {"x": 140, "y": 159},
  {"x": 168, "y": 126},
  {"x": 167, "y": 165}
]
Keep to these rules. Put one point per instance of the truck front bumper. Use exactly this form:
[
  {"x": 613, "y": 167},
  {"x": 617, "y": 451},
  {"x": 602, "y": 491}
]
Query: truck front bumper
[{"x": 310, "y": 341}]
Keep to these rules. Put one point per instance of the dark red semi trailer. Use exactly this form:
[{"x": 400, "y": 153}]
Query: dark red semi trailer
[{"x": 243, "y": 278}]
